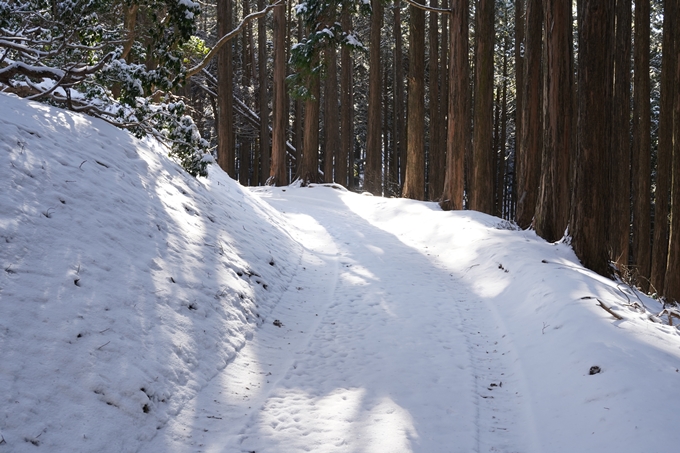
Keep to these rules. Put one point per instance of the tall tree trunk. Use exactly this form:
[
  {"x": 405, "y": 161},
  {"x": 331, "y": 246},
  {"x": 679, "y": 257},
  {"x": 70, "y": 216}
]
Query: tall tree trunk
[
  {"x": 496, "y": 144},
  {"x": 331, "y": 118},
  {"x": 444, "y": 99},
  {"x": 386, "y": 132},
  {"x": 310, "y": 140},
  {"x": 298, "y": 107},
  {"x": 263, "y": 101},
  {"x": 458, "y": 112},
  {"x": 500, "y": 190},
  {"x": 129, "y": 24},
  {"x": 435, "y": 168},
  {"x": 531, "y": 140},
  {"x": 226, "y": 143},
  {"x": 672, "y": 283},
  {"x": 520, "y": 26},
  {"x": 590, "y": 205},
  {"x": 399, "y": 129},
  {"x": 373, "y": 168},
  {"x": 347, "y": 134},
  {"x": 414, "y": 184},
  {"x": 278, "y": 174},
  {"x": 249, "y": 45},
  {"x": 642, "y": 167},
  {"x": 665, "y": 148},
  {"x": 552, "y": 209},
  {"x": 481, "y": 192},
  {"x": 245, "y": 147},
  {"x": 619, "y": 228}
]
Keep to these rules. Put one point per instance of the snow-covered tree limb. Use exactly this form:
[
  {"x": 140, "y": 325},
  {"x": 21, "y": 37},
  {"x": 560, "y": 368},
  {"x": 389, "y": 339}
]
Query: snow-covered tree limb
[{"x": 63, "y": 76}]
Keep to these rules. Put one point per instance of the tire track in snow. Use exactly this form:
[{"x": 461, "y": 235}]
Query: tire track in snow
[{"x": 503, "y": 422}]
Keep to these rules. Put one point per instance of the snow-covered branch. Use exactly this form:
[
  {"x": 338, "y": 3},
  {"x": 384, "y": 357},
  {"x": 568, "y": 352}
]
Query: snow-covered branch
[{"x": 63, "y": 76}]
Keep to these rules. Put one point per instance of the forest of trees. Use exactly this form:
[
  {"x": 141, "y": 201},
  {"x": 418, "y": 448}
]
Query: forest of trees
[{"x": 560, "y": 116}]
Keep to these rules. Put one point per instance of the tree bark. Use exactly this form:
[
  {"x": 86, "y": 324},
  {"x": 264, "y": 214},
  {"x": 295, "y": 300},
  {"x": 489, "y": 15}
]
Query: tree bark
[
  {"x": 444, "y": 98},
  {"x": 665, "y": 148},
  {"x": 265, "y": 145},
  {"x": 531, "y": 140},
  {"x": 310, "y": 140},
  {"x": 619, "y": 228},
  {"x": 347, "y": 135},
  {"x": 278, "y": 174},
  {"x": 435, "y": 167},
  {"x": 672, "y": 282},
  {"x": 458, "y": 112},
  {"x": 496, "y": 144},
  {"x": 386, "y": 132},
  {"x": 590, "y": 205},
  {"x": 552, "y": 209},
  {"x": 373, "y": 168},
  {"x": 414, "y": 183},
  {"x": 298, "y": 121},
  {"x": 520, "y": 26},
  {"x": 642, "y": 167},
  {"x": 399, "y": 132},
  {"x": 481, "y": 192},
  {"x": 500, "y": 194},
  {"x": 129, "y": 24},
  {"x": 245, "y": 145},
  {"x": 331, "y": 116},
  {"x": 226, "y": 143}
]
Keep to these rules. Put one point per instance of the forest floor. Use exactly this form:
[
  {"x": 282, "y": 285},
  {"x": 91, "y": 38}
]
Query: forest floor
[{"x": 143, "y": 310}]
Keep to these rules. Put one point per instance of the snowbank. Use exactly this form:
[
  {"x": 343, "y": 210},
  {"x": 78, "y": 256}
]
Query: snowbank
[{"x": 126, "y": 285}]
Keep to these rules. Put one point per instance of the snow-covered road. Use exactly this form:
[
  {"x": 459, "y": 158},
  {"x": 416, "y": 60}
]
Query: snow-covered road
[
  {"x": 380, "y": 349},
  {"x": 143, "y": 310}
]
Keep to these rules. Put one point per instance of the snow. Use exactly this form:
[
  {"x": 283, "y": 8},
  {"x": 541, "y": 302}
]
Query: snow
[
  {"x": 145, "y": 310},
  {"x": 351, "y": 40}
]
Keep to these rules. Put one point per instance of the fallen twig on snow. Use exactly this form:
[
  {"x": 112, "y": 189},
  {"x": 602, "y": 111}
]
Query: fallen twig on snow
[
  {"x": 609, "y": 310},
  {"x": 671, "y": 314}
]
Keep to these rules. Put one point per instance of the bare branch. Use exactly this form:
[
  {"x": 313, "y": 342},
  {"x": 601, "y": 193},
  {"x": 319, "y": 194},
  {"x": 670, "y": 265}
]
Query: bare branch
[
  {"x": 428, "y": 8},
  {"x": 229, "y": 36},
  {"x": 609, "y": 310}
]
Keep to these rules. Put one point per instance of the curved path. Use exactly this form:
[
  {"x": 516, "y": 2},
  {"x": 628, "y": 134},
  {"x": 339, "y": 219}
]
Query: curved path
[{"x": 377, "y": 348}]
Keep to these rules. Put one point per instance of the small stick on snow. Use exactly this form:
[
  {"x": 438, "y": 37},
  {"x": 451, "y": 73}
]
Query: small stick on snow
[
  {"x": 104, "y": 345},
  {"x": 623, "y": 292},
  {"x": 670, "y": 317},
  {"x": 609, "y": 310},
  {"x": 671, "y": 314}
]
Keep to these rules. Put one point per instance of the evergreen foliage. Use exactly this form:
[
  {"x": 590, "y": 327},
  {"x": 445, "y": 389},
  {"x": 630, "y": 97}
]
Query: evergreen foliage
[
  {"x": 73, "y": 54},
  {"x": 320, "y": 18}
]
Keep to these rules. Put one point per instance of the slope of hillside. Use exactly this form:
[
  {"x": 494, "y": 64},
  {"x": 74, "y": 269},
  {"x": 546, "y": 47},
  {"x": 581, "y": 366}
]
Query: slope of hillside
[{"x": 126, "y": 284}]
